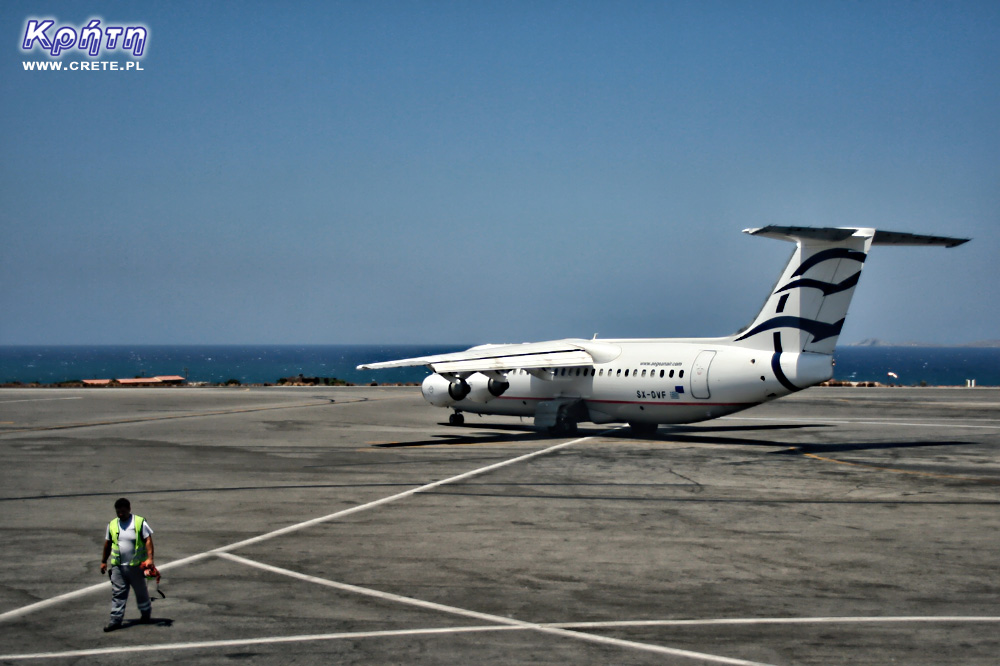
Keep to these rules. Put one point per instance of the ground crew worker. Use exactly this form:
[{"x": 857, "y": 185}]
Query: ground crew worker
[{"x": 129, "y": 542}]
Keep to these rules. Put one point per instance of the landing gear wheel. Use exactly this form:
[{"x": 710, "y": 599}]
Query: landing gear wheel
[
  {"x": 643, "y": 429},
  {"x": 563, "y": 427},
  {"x": 457, "y": 419}
]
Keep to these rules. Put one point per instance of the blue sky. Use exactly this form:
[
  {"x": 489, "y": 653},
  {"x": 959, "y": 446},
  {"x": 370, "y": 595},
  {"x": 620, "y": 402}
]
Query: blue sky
[{"x": 454, "y": 172}]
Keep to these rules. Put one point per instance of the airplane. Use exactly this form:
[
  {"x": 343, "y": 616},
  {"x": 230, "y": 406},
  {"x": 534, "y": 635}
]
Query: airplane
[{"x": 646, "y": 382}]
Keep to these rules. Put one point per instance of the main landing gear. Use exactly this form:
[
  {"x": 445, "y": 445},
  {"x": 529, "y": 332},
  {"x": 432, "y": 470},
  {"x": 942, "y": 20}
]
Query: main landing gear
[
  {"x": 560, "y": 416},
  {"x": 643, "y": 429},
  {"x": 564, "y": 426},
  {"x": 456, "y": 419}
]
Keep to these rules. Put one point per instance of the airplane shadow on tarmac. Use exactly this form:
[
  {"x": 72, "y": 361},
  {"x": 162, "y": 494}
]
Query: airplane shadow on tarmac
[
  {"x": 865, "y": 446},
  {"x": 527, "y": 433},
  {"x": 720, "y": 434},
  {"x": 703, "y": 435}
]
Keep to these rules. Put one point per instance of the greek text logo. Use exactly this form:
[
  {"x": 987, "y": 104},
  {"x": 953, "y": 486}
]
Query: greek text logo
[{"x": 89, "y": 38}]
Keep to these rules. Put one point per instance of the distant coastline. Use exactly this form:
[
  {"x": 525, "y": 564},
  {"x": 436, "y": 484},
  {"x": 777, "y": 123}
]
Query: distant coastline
[{"x": 875, "y": 361}]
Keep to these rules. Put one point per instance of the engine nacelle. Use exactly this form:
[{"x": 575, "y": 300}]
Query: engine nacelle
[
  {"x": 807, "y": 369},
  {"x": 486, "y": 388},
  {"x": 442, "y": 392}
]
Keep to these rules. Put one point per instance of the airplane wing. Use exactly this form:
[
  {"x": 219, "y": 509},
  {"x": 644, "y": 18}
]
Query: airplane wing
[{"x": 555, "y": 353}]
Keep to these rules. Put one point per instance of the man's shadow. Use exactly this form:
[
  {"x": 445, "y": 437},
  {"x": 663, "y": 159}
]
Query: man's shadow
[{"x": 153, "y": 622}]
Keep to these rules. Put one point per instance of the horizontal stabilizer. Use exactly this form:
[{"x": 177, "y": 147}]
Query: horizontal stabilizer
[
  {"x": 835, "y": 234},
  {"x": 899, "y": 238}
]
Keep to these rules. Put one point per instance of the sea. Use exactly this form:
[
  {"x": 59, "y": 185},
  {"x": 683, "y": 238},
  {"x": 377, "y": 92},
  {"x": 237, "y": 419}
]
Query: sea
[{"x": 266, "y": 364}]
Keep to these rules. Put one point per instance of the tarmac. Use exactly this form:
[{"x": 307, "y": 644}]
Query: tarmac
[{"x": 352, "y": 525}]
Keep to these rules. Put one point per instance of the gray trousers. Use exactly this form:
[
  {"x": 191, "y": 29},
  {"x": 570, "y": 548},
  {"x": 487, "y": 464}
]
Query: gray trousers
[{"x": 123, "y": 577}]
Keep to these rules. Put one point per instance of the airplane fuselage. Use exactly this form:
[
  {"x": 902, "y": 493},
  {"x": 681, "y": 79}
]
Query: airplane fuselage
[{"x": 652, "y": 381}]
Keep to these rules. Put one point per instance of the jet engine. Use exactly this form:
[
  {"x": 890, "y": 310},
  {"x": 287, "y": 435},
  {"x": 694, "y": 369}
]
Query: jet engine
[
  {"x": 486, "y": 387},
  {"x": 443, "y": 392}
]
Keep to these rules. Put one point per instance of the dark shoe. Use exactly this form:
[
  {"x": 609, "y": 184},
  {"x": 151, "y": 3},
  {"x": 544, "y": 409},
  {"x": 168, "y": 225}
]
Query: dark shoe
[
  {"x": 111, "y": 626},
  {"x": 145, "y": 618}
]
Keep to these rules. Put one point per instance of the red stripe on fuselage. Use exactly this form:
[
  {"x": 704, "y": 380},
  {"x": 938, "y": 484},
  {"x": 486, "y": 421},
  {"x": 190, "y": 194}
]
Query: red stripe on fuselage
[{"x": 638, "y": 402}]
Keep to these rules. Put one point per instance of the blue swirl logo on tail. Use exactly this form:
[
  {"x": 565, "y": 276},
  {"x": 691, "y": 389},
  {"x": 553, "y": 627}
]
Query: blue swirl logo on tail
[
  {"x": 833, "y": 253},
  {"x": 820, "y": 330},
  {"x": 826, "y": 287}
]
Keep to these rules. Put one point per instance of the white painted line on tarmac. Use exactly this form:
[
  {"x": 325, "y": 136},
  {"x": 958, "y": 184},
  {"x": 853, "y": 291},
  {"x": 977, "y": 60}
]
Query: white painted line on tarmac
[
  {"x": 241, "y": 642},
  {"x": 24, "y": 610},
  {"x": 39, "y": 605},
  {"x": 498, "y": 619},
  {"x": 872, "y": 619},
  {"x": 7, "y": 402},
  {"x": 887, "y": 422},
  {"x": 391, "y": 498},
  {"x": 624, "y": 624}
]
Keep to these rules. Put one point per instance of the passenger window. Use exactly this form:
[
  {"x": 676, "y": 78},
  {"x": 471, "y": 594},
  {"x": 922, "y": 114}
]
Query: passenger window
[
  {"x": 626, "y": 373},
  {"x": 661, "y": 374},
  {"x": 601, "y": 373},
  {"x": 671, "y": 373},
  {"x": 681, "y": 374},
  {"x": 643, "y": 373},
  {"x": 619, "y": 373}
]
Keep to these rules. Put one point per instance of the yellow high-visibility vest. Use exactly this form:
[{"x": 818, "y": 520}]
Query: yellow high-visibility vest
[{"x": 140, "y": 545}]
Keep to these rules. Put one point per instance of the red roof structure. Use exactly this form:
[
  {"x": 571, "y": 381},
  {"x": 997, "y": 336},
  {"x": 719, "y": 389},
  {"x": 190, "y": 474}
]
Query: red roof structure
[{"x": 168, "y": 380}]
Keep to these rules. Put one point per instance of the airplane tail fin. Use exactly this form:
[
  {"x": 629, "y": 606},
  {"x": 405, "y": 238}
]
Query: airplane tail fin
[{"x": 806, "y": 309}]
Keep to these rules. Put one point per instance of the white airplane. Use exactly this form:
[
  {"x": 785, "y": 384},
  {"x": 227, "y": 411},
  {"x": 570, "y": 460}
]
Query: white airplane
[{"x": 650, "y": 381}]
